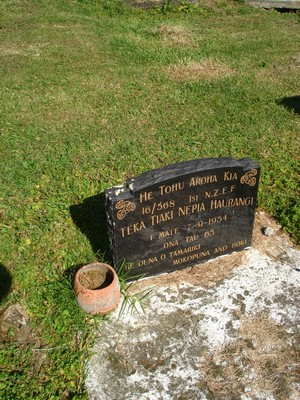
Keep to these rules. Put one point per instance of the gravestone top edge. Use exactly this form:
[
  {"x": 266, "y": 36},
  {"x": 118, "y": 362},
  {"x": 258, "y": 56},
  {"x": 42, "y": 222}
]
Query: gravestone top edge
[{"x": 172, "y": 171}]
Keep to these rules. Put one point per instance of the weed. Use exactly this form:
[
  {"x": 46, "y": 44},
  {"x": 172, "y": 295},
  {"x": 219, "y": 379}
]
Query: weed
[
  {"x": 131, "y": 301},
  {"x": 166, "y": 6}
]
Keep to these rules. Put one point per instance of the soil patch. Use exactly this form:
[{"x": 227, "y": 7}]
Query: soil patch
[
  {"x": 263, "y": 357},
  {"x": 193, "y": 71},
  {"x": 95, "y": 279},
  {"x": 175, "y": 35}
]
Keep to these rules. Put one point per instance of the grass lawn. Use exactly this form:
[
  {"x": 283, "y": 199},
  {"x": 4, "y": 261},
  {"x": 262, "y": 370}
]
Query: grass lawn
[{"x": 93, "y": 92}]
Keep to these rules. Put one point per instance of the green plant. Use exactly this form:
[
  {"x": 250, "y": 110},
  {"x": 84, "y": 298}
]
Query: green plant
[
  {"x": 185, "y": 7},
  {"x": 131, "y": 301}
]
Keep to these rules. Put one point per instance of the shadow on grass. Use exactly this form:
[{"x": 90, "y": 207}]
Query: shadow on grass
[
  {"x": 291, "y": 103},
  {"x": 90, "y": 218},
  {"x": 69, "y": 273},
  {"x": 5, "y": 282}
]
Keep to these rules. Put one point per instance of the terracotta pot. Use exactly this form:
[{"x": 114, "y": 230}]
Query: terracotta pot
[{"x": 97, "y": 288}]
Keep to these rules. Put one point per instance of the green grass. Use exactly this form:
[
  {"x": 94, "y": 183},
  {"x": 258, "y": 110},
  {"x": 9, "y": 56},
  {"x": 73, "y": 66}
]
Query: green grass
[{"x": 90, "y": 97}]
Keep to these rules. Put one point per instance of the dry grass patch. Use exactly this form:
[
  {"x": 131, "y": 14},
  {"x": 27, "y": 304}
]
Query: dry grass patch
[
  {"x": 175, "y": 35},
  {"x": 205, "y": 70},
  {"x": 263, "y": 360},
  {"x": 23, "y": 49},
  {"x": 281, "y": 72}
]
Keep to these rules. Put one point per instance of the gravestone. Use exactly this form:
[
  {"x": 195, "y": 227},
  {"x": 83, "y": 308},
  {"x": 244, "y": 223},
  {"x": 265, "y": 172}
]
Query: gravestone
[{"x": 182, "y": 214}]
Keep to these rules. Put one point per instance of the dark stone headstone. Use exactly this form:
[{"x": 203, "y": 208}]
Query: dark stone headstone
[{"x": 182, "y": 214}]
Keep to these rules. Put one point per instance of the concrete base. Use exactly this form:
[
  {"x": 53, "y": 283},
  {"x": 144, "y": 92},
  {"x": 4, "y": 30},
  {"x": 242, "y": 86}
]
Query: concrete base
[
  {"x": 228, "y": 328},
  {"x": 286, "y": 4}
]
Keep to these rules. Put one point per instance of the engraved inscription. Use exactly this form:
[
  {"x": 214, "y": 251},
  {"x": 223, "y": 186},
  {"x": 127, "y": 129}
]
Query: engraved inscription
[
  {"x": 202, "y": 180},
  {"x": 165, "y": 189},
  {"x": 131, "y": 229},
  {"x": 158, "y": 219},
  {"x": 168, "y": 233},
  {"x": 191, "y": 209},
  {"x": 183, "y": 214},
  {"x": 220, "y": 191},
  {"x": 233, "y": 202},
  {"x": 230, "y": 176}
]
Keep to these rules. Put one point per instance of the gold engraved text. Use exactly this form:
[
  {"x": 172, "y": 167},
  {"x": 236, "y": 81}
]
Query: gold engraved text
[
  {"x": 193, "y": 198},
  {"x": 220, "y": 249},
  {"x": 236, "y": 202},
  {"x": 168, "y": 233},
  {"x": 171, "y": 244},
  {"x": 165, "y": 189},
  {"x": 157, "y": 219},
  {"x": 239, "y": 243},
  {"x": 191, "y": 257},
  {"x": 146, "y": 196},
  {"x": 191, "y": 209},
  {"x": 230, "y": 176},
  {"x": 130, "y": 229},
  {"x": 191, "y": 238},
  {"x": 202, "y": 180},
  {"x": 156, "y": 207},
  {"x": 186, "y": 250},
  {"x": 220, "y": 192}
]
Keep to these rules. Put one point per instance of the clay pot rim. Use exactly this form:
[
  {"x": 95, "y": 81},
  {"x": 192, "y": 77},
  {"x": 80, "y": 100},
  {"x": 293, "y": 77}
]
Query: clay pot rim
[{"x": 80, "y": 288}]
